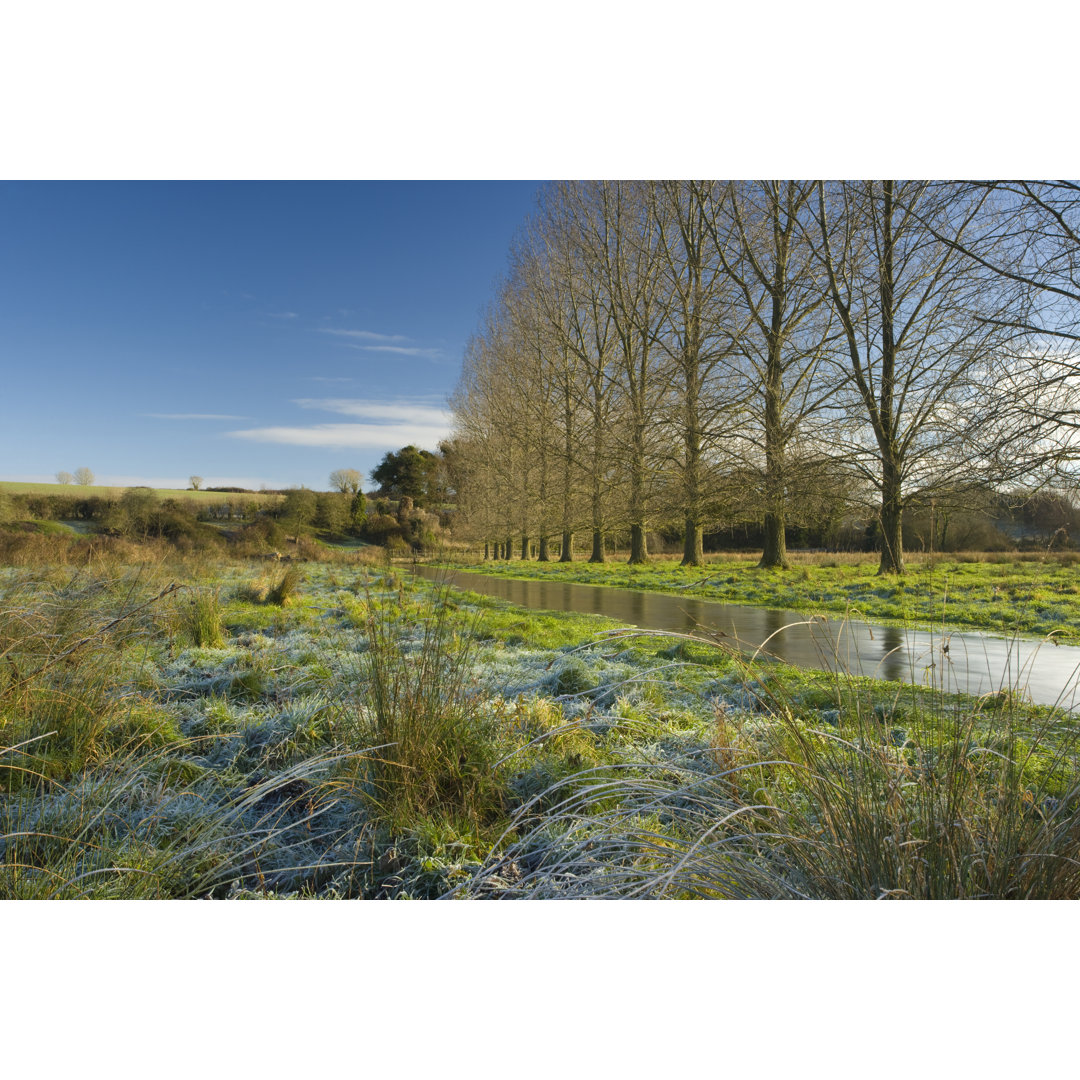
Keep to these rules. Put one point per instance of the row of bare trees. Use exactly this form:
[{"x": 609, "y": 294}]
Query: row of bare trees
[{"x": 702, "y": 351}]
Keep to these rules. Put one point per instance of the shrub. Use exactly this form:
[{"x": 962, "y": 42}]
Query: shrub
[
  {"x": 357, "y": 514},
  {"x": 380, "y": 528},
  {"x": 333, "y": 512}
]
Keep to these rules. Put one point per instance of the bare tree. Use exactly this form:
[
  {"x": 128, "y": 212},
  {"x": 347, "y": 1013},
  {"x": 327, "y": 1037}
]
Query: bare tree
[
  {"x": 65, "y": 478},
  {"x": 703, "y": 331},
  {"x": 572, "y": 298},
  {"x": 620, "y": 238},
  {"x": 759, "y": 231},
  {"x": 489, "y": 434},
  {"x": 922, "y": 326},
  {"x": 1033, "y": 241},
  {"x": 84, "y": 477},
  {"x": 535, "y": 384},
  {"x": 1033, "y": 245},
  {"x": 347, "y": 481},
  {"x": 196, "y": 482}
]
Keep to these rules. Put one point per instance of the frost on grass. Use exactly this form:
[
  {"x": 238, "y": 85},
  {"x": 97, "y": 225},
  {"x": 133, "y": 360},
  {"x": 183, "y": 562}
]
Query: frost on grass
[{"x": 603, "y": 753}]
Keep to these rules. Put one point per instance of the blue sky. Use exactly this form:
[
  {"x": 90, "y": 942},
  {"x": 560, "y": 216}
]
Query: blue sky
[{"x": 258, "y": 333}]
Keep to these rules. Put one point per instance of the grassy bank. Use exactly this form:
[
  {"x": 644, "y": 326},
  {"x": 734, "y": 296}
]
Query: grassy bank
[
  {"x": 198, "y": 728},
  {"x": 1003, "y": 594}
]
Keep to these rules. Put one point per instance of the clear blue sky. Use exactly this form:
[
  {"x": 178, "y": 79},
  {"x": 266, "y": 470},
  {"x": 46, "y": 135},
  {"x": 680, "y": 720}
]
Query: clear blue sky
[{"x": 257, "y": 333}]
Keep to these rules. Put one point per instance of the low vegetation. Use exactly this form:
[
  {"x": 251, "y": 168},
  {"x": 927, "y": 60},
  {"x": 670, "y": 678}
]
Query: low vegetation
[{"x": 171, "y": 729}]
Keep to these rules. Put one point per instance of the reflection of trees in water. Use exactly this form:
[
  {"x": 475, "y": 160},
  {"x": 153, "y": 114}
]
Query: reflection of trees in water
[
  {"x": 761, "y": 626},
  {"x": 895, "y": 661},
  {"x": 599, "y": 600},
  {"x": 695, "y": 617}
]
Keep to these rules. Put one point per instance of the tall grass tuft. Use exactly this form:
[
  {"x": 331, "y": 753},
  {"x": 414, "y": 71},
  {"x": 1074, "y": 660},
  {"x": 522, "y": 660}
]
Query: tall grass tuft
[
  {"x": 435, "y": 747},
  {"x": 202, "y": 620},
  {"x": 952, "y": 801},
  {"x": 282, "y": 590},
  {"x": 59, "y": 699}
]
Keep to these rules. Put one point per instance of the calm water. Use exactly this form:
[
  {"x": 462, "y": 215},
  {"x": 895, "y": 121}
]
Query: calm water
[{"x": 967, "y": 662}]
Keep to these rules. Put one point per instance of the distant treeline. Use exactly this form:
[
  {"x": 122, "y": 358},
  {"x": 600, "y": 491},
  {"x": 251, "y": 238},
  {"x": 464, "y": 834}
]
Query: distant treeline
[
  {"x": 985, "y": 520},
  {"x": 286, "y": 517}
]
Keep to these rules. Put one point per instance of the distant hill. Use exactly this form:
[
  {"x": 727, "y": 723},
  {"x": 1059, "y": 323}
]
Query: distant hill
[{"x": 87, "y": 490}]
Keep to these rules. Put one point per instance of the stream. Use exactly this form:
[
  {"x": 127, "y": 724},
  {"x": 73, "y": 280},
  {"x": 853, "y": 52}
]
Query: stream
[{"x": 955, "y": 661}]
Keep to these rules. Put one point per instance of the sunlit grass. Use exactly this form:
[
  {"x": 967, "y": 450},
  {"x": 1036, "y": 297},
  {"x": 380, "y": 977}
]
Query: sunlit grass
[{"x": 1029, "y": 593}]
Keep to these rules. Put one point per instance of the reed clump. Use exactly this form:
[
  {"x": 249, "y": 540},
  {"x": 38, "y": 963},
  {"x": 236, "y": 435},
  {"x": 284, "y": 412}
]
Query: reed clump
[
  {"x": 202, "y": 620},
  {"x": 275, "y": 589},
  {"x": 435, "y": 746},
  {"x": 956, "y": 801}
]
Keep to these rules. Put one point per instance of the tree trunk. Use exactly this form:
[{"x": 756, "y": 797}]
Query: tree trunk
[
  {"x": 892, "y": 512},
  {"x": 566, "y": 553},
  {"x": 693, "y": 552},
  {"x": 566, "y": 550},
  {"x": 542, "y": 556},
  {"x": 597, "y": 555},
  {"x": 597, "y": 546},
  {"x": 638, "y": 552},
  {"x": 524, "y": 549},
  {"x": 692, "y": 548},
  {"x": 487, "y": 550},
  {"x": 774, "y": 549},
  {"x": 774, "y": 553}
]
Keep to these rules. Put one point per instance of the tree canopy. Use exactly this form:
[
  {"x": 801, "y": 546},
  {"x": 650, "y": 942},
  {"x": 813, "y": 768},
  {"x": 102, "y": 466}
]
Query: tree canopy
[{"x": 408, "y": 472}]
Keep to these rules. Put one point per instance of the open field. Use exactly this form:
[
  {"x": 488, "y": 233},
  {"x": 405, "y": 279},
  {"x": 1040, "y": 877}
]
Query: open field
[
  {"x": 86, "y": 491},
  {"x": 232, "y": 729},
  {"x": 1003, "y": 594}
]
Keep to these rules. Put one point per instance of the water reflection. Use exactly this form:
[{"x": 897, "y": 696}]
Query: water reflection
[{"x": 968, "y": 662}]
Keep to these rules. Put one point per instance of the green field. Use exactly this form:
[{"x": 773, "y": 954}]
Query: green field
[
  {"x": 1003, "y": 594},
  {"x": 87, "y": 490}
]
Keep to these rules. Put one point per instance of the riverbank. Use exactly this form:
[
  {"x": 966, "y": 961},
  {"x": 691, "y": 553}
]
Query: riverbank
[{"x": 1037, "y": 595}]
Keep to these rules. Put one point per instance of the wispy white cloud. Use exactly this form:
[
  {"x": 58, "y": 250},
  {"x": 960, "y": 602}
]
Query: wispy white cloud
[
  {"x": 284, "y": 315},
  {"x": 365, "y": 335},
  {"x": 387, "y": 425},
  {"x": 330, "y": 379},
  {"x": 419, "y": 413},
  {"x": 427, "y": 354},
  {"x": 349, "y": 436},
  {"x": 193, "y": 416},
  {"x": 388, "y": 343}
]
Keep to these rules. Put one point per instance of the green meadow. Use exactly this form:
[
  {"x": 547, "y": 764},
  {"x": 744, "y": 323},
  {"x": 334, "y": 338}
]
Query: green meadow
[{"x": 1030, "y": 593}]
